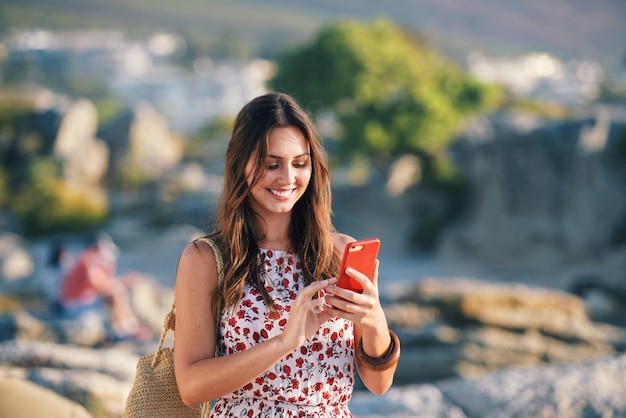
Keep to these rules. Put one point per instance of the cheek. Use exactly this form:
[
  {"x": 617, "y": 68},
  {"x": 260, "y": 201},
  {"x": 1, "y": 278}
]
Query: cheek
[{"x": 305, "y": 177}]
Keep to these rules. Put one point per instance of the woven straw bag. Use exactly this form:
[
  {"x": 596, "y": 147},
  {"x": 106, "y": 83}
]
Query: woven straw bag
[{"x": 154, "y": 393}]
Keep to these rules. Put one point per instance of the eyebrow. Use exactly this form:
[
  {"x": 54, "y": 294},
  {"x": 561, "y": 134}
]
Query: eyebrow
[{"x": 278, "y": 157}]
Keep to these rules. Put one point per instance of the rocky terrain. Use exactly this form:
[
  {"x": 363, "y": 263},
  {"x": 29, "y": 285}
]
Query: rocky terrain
[
  {"x": 539, "y": 332},
  {"x": 470, "y": 348}
]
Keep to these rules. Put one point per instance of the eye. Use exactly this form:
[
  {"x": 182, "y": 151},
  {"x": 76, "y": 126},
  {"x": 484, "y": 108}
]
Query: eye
[{"x": 301, "y": 164}]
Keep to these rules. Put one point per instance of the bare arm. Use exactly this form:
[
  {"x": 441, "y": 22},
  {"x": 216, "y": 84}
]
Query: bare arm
[{"x": 200, "y": 375}]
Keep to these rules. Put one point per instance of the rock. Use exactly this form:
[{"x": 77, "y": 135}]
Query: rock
[
  {"x": 592, "y": 388},
  {"x": 603, "y": 287},
  {"x": 553, "y": 195},
  {"x": 143, "y": 146},
  {"x": 85, "y": 158},
  {"x": 104, "y": 395},
  {"x": 151, "y": 302},
  {"x": 21, "y": 325},
  {"x": 584, "y": 389},
  {"x": 24, "y": 399},
  {"x": 15, "y": 262},
  {"x": 424, "y": 401},
  {"x": 409, "y": 315},
  {"x": 469, "y": 327},
  {"x": 515, "y": 306},
  {"x": 89, "y": 329},
  {"x": 97, "y": 378},
  {"x": 114, "y": 362}
]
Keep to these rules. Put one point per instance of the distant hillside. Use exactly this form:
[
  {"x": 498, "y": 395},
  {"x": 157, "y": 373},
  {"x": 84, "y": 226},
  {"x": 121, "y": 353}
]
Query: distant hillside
[{"x": 564, "y": 27}]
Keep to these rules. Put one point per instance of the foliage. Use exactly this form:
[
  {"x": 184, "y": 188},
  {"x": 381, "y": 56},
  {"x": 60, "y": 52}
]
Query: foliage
[
  {"x": 108, "y": 108},
  {"x": 390, "y": 93},
  {"x": 217, "y": 128},
  {"x": 16, "y": 120},
  {"x": 209, "y": 141},
  {"x": 45, "y": 203}
]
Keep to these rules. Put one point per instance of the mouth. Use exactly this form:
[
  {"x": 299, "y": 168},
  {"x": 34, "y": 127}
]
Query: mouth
[{"x": 281, "y": 193}]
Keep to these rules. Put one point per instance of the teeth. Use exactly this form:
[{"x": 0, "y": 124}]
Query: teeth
[{"x": 280, "y": 193}]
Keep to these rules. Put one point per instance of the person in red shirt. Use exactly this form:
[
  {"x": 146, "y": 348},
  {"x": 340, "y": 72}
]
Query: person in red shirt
[{"x": 92, "y": 282}]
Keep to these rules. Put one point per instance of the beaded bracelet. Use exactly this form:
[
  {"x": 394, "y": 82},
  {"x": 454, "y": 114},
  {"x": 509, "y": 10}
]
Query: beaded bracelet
[{"x": 384, "y": 362}]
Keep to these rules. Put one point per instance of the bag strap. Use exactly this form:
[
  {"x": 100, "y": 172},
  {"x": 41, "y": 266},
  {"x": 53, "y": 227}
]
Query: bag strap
[{"x": 170, "y": 317}]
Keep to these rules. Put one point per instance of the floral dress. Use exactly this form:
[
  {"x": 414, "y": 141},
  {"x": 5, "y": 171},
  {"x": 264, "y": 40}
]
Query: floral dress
[{"x": 316, "y": 380}]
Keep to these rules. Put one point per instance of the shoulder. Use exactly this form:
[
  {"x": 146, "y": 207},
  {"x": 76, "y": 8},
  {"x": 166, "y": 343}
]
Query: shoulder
[
  {"x": 199, "y": 258},
  {"x": 340, "y": 240}
]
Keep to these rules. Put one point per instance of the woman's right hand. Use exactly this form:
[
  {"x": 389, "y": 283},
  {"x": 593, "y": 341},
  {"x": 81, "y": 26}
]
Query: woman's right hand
[{"x": 307, "y": 314}]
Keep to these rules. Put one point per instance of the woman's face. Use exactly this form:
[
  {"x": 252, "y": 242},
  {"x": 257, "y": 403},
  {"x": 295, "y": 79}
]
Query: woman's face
[{"x": 285, "y": 173}]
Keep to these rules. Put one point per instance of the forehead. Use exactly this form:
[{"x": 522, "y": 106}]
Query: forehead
[{"x": 286, "y": 141}]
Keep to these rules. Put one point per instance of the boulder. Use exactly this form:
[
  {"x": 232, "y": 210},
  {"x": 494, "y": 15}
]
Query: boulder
[
  {"x": 16, "y": 263},
  {"x": 116, "y": 362},
  {"x": 508, "y": 305},
  {"x": 468, "y": 327},
  {"x": 85, "y": 158},
  {"x": 25, "y": 399},
  {"x": 143, "y": 146},
  {"x": 104, "y": 395},
  {"x": 553, "y": 195},
  {"x": 425, "y": 401},
  {"x": 98, "y": 379},
  {"x": 89, "y": 329},
  {"x": 591, "y": 388}
]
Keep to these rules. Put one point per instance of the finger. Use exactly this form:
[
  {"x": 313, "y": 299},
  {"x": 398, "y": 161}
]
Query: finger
[
  {"x": 338, "y": 312},
  {"x": 357, "y": 275},
  {"x": 375, "y": 275},
  {"x": 341, "y": 293},
  {"x": 315, "y": 305},
  {"x": 349, "y": 303},
  {"x": 312, "y": 289}
]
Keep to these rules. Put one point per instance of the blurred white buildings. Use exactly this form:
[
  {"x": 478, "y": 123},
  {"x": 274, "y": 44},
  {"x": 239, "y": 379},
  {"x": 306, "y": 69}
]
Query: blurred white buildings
[
  {"x": 542, "y": 76},
  {"x": 147, "y": 70},
  {"x": 137, "y": 71}
]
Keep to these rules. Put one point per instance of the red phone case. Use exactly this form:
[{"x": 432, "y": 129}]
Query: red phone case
[{"x": 361, "y": 256}]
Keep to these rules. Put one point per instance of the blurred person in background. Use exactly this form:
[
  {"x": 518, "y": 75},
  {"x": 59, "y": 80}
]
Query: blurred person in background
[
  {"x": 91, "y": 284},
  {"x": 59, "y": 262}
]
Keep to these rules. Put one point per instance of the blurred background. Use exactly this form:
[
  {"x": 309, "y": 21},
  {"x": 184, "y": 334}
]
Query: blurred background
[{"x": 484, "y": 143}]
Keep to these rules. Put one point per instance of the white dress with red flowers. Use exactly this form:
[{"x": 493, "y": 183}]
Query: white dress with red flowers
[{"x": 315, "y": 380}]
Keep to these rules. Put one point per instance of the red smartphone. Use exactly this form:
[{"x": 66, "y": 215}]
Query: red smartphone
[{"x": 360, "y": 255}]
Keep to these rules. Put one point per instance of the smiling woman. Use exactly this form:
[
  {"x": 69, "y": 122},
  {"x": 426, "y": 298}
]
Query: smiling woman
[
  {"x": 276, "y": 337},
  {"x": 285, "y": 174}
]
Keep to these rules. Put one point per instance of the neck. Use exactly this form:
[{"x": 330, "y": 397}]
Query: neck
[{"x": 275, "y": 235}]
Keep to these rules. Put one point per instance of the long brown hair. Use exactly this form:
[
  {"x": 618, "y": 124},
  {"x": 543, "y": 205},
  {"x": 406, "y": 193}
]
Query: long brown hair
[{"x": 237, "y": 230}]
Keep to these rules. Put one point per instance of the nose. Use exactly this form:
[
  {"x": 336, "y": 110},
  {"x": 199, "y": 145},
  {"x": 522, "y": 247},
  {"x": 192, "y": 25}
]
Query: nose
[{"x": 288, "y": 175}]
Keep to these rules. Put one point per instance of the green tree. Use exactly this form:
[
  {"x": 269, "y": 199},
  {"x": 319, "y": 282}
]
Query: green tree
[
  {"x": 45, "y": 203},
  {"x": 389, "y": 92}
]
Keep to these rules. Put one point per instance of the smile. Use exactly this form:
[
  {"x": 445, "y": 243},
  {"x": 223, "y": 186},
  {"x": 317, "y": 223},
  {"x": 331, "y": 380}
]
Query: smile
[{"x": 282, "y": 193}]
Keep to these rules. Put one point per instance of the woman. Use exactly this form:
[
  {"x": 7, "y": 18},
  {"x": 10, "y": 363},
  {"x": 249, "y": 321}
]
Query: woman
[{"x": 277, "y": 337}]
